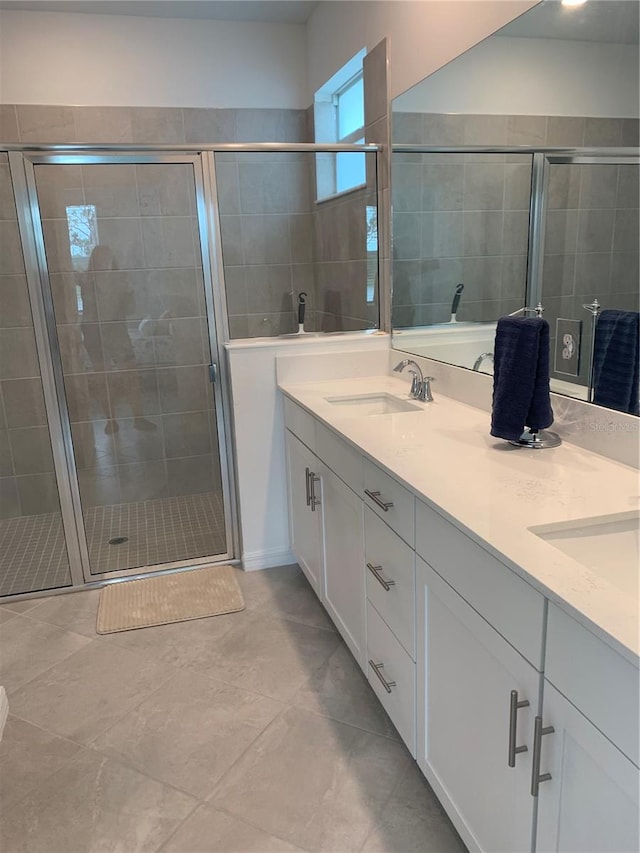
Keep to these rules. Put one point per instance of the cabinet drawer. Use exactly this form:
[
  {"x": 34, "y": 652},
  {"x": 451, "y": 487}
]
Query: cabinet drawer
[
  {"x": 380, "y": 489},
  {"x": 397, "y": 667},
  {"x": 595, "y": 678},
  {"x": 340, "y": 457},
  {"x": 395, "y": 564},
  {"x": 300, "y": 423},
  {"x": 506, "y": 601}
]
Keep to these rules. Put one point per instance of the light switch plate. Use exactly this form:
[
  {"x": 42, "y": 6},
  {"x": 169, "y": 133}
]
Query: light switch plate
[{"x": 567, "y": 350}]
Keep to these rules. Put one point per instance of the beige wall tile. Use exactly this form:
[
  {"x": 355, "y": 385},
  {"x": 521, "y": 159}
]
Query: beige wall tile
[
  {"x": 50, "y": 124},
  {"x": 11, "y": 260},
  {"x": 103, "y": 124},
  {"x": 18, "y": 358},
  {"x": 31, "y": 450},
  {"x": 9, "y": 123},
  {"x": 38, "y": 494}
]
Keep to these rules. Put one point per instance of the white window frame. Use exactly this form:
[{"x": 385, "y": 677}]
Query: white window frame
[{"x": 326, "y": 126}]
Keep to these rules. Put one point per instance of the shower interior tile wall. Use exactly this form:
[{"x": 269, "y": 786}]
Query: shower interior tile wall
[
  {"x": 27, "y": 482},
  {"x": 481, "y": 208},
  {"x": 159, "y": 381}
]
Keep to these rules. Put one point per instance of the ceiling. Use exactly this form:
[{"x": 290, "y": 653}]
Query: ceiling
[
  {"x": 614, "y": 21},
  {"x": 276, "y": 11}
]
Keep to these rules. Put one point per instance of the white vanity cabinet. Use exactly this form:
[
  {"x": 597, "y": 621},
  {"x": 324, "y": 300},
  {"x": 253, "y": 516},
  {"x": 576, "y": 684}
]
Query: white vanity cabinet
[
  {"x": 305, "y": 509},
  {"x": 477, "y": 692},
  {"x": 524, "y": 722},
  {"x": 343, "y": 593},
  {"x": 326, "y": 522},
  {"x": 589, "y": 799},
  {"x": 590, "y": 802},
  {"x": 467, "y": 719}
]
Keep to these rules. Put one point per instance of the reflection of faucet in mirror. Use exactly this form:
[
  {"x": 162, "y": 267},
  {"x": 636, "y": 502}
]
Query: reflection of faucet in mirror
[
  {"x": 420, "y": 385},
  {"x": 481, "y": 358}
]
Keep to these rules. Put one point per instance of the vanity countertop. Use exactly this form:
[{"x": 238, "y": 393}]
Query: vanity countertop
[{"x": 494, "y": 491}]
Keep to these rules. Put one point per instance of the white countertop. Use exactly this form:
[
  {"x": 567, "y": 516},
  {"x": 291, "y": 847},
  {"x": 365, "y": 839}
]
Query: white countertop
[{"x": 494, "y": 492}]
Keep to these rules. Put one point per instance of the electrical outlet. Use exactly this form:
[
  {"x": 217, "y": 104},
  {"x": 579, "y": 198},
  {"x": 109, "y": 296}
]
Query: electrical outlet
[{"x": 568, "y": 343}]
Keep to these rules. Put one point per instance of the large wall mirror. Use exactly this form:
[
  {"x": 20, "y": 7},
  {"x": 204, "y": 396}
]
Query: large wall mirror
[{"x": 515, "y": 181}]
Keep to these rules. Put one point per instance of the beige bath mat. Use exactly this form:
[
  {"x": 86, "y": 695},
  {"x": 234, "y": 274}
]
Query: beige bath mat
[{"x": 162, "y": 599}]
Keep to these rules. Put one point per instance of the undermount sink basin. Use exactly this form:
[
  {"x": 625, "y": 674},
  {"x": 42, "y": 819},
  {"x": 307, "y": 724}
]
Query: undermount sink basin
[
  {"x": 373, "y": 404},
  {"x": 606, "y": 544}
]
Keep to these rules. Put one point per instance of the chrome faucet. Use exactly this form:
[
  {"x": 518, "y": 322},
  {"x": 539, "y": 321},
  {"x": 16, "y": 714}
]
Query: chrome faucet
[
  {"x": 481, "y": 358},
  {"x": 421, "y": 385}
]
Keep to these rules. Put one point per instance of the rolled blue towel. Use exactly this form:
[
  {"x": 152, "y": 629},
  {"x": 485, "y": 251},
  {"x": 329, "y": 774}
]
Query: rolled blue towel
[
  {"x": 520, "y": 377},
  {"x": 615, "y": 361}
]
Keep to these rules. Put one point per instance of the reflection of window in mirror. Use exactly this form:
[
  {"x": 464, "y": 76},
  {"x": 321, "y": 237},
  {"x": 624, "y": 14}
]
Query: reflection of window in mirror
[
  {"x": 371, "y": 213},
  {"x": 339, "y": 117}
]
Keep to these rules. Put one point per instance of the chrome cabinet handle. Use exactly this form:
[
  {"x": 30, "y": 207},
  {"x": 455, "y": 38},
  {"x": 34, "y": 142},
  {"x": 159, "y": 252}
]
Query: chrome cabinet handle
[
  {"x": 375, "y": 497},
  {"x": 307, "y": 489},
  {"x": 375, "y": 571},
  {"x": 376, "y": 667},
  {"x": 514, "y": 706},
  {"x": 314, "y": 501},
  {"x": 537, "y": 777}
]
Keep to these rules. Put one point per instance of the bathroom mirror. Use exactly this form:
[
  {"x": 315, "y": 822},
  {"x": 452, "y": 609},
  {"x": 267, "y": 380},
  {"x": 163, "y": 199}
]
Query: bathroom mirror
[{"x": 463, "y": 254}]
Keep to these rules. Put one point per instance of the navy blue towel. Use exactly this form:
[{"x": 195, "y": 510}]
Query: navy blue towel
[
  {"x": 520, "y": 377},
  {"x": 615, "y": 361}
]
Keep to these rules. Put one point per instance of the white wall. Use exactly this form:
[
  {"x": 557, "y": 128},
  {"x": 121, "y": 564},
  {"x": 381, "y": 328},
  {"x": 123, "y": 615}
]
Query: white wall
[
  {"x": 512, "y": 76},
  {"x": 259, "y": 429},
  {"x": 423, "y": 34},
  {"x": 114, "y": 60}
]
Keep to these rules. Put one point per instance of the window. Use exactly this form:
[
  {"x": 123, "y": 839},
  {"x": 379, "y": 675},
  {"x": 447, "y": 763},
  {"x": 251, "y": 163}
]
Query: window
[
  {"x": 339, "y": 117},
  {"x": 82, "y": 225}
]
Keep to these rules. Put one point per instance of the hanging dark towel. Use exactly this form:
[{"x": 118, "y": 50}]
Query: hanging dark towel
[
  {"x": 615, "y": 361},
  {"x": 520, "y": 377}
]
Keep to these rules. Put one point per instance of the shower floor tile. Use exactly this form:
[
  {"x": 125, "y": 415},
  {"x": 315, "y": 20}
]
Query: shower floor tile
[
  {"x": 158, "y": 531},
  {"x": 34, "y": 555}
]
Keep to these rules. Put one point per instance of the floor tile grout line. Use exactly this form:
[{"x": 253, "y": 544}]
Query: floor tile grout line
[{"x": 13, "y": 691}]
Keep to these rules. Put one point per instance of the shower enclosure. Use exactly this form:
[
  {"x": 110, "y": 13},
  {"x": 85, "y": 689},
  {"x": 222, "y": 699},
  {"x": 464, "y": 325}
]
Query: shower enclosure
[
  {"x": 113, "y": 429},
  {"x": 114, "y": 399}
]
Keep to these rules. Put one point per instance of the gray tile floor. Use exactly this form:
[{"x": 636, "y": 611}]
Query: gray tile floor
[{"x": 254, "y": 731}]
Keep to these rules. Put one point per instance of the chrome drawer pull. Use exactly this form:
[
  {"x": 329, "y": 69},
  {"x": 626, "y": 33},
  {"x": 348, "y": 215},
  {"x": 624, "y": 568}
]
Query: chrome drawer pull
[
  {"x": 514, "y": 706},
  {"x": 375, "y": 571},
  {"x": 314, "y": 501},
  {"x": 308, "y": 491},
  {"x": 375, "y": 497},
  {"x": 376, "y": 668},
  {"x": 536, "y": 776}
]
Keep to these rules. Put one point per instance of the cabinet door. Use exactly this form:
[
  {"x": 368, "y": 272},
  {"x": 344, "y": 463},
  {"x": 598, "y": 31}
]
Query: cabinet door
[
  {"x": 590, "y": 804},
  {"x": 305, "y": 525},
  {"x": 344, "y": 580},
  {"x": 466, "y": 672}
]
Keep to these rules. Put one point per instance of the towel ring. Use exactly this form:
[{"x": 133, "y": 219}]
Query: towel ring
[{"x": 538, "y": 311}]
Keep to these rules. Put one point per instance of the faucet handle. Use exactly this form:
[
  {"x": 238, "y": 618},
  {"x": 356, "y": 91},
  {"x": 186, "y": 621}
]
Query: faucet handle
[{"x": 424, "y": 393}]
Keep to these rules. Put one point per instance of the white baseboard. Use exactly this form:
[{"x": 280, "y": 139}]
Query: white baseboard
[
  {"x": 4, "y": 709},
  {"x": 256, "y": 560}
]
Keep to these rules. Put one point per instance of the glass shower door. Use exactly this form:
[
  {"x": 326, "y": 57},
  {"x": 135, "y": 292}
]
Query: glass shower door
[
  {"x": 124, "y": 255},
  {"x": 33, "y": 552}
]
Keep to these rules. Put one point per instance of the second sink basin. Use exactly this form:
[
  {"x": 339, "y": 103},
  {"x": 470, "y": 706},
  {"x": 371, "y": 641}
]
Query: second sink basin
[
  {"x": 606, "y": 544},
  {"x": 373, "y": 404}
]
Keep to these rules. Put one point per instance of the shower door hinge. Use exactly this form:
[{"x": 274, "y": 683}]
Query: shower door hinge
[{"x": 213, "y": 373}]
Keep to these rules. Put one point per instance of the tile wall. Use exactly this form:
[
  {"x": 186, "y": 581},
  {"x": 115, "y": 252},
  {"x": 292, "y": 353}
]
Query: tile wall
[
  {"x": 27, "y": 482},
  {"x": 591, "y": 240},
  {"x": 132, "y": 330}
]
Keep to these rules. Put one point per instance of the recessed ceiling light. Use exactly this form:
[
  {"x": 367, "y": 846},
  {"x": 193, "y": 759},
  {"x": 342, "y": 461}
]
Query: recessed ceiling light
[{"x": 573, "y": 2}]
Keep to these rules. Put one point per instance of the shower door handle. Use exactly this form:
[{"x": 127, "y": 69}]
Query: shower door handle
[{"x": 213, "y": 373}]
